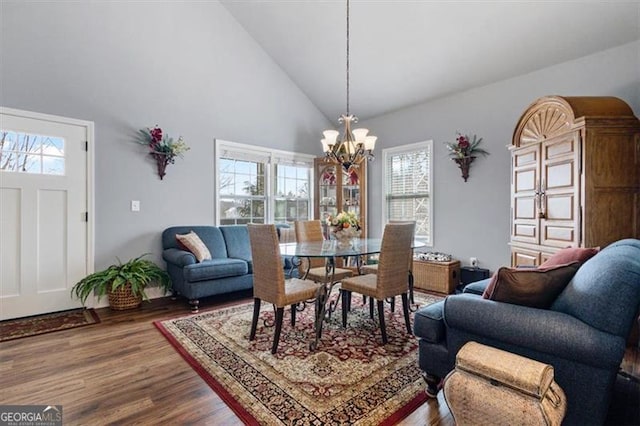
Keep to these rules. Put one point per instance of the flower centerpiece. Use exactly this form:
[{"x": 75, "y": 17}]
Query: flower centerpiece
[
  {"x": 162, "y": 148},
  {"x": 344, "y": 227},
  {"x": 464, "y": 151}
]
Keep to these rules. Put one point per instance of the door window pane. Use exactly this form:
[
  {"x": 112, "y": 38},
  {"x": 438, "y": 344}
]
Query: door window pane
[{"x": 27, "y": 153}]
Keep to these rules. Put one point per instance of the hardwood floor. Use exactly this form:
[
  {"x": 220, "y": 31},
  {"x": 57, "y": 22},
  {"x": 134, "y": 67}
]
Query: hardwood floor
[{"x": 122, "y": 371}]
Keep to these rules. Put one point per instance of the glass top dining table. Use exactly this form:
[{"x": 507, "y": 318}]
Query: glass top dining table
[{"x": 330, "y": 250}]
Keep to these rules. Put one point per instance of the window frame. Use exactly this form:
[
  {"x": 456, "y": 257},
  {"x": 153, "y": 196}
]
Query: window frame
[
  {"x": 427, "y": 146},
  {"x": 271, "y": 158}
]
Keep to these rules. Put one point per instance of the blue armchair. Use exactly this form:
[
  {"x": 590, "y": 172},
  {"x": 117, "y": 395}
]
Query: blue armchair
[{"x": 583, "y": 335}]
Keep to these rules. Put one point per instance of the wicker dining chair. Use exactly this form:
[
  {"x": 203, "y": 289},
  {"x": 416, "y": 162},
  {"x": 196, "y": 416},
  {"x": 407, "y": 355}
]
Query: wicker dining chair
[
  {"x": 311, "y": 230},
  {"x": 373, "y": 269},
  {"x": 269, "y": 282},
  {"x": 391, "y": 278}
]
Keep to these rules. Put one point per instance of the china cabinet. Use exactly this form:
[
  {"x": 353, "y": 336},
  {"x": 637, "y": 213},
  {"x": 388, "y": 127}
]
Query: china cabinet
[{"x": 338, "y": 190}]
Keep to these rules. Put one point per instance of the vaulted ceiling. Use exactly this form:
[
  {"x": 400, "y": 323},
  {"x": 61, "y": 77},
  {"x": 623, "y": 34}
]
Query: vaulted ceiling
[{"x": 408, "y": 52}]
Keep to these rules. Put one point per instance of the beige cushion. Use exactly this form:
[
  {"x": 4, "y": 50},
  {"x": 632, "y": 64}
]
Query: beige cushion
[
  {"x": 537, "y": 288},
  {"x": 194, "y": 244}
]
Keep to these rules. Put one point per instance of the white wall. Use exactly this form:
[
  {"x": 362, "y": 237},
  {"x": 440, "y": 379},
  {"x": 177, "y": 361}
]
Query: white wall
[
  {"x": 188, "y": 67},
  {"x": 472, "y": 218}
]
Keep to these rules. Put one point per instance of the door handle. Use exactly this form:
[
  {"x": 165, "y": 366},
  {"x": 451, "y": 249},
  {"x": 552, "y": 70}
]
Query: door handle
[{"x": 541, "y": 212}]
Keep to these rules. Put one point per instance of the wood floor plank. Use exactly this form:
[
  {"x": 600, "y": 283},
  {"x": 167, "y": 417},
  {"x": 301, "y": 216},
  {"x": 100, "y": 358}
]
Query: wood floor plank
[{"x": 122, "y": 371}]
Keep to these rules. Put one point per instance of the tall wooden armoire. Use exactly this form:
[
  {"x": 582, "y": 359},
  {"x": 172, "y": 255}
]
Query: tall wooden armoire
[{"x": 575, "y": 176}]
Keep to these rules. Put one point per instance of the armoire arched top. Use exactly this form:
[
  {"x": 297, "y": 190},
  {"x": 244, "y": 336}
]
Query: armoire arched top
[{"x": 551, "y": 116}]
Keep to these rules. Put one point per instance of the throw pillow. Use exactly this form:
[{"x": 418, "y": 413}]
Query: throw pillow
[
  {"x": 194, "y": 244},
  {"x": 570, "y": 254},
  {"x": 537, "y": 288}
]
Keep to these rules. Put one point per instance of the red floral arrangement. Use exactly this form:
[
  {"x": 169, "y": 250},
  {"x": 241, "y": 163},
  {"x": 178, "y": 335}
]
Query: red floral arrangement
[
  {"x": 464, "y": 148},
  {"x": 162, "y": 148}
]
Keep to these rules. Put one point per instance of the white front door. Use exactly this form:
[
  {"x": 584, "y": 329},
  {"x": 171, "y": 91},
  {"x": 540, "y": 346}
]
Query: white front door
[{"x": 44, "y": 233}]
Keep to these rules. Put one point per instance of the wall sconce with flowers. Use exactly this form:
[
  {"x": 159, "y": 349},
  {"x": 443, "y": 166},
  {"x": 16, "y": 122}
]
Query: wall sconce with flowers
[
  {"x": 464, "y": 152},
  {"x": 163, "y": 149}
]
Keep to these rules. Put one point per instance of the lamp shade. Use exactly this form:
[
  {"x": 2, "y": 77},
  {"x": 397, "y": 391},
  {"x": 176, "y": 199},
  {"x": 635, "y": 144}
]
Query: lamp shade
[
  {"x": 360, "y": 134},
  {"x": 331, "y": 136},
  {"x": 370, "y": 142}
]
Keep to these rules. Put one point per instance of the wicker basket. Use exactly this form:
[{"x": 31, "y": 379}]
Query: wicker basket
[
  {"x": 441, "y": 277},
  {"x": 123, "y": 298},
  {"x": 490, "y": 386}
]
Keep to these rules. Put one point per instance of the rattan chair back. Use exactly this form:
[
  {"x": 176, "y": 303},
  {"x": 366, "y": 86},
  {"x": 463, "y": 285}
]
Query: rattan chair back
[
  {"x": 309, "y": 231},
  {"x": 395, "y": 255},
  {"x": 268, "y": 272}
]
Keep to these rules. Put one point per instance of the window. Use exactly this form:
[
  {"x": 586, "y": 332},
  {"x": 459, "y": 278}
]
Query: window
[
  {"x": 261, "y": 186},
  {"x": 27, "y": 153},
  {"x": 408, "y": 196},
  {"x": 242, "y": 191}
]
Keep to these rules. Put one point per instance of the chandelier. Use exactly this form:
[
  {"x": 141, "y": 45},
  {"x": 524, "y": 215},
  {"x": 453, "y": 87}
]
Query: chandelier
[{"x": 355, "y": 145}]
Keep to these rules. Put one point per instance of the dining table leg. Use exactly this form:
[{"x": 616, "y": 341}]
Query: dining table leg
[{"x": 321, "y": 299}]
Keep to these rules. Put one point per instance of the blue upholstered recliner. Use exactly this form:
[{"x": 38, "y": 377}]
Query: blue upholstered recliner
[{"x": 583, "y": 335}]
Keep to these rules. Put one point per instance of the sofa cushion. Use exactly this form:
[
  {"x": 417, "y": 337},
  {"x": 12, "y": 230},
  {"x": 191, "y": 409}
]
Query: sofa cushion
[
  {"x": 537, "y": 288},
  {"x": 428, "y": 322},
  {"x": 211, "y": 236},
  {"x": 215, "y": 268},
  {"x": 570, "y": 254},
  {"x": 605, "y": 292},
  {"x": 236, "y": 238},
  {"x": 194, "y": 244}
]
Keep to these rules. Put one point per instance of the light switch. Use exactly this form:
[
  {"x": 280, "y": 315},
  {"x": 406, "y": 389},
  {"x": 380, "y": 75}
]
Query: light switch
[{"x": 135, "y": 205}]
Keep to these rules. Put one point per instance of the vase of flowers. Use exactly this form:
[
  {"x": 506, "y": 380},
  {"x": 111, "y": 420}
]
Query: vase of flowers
[
  {"x": 464, "y": 151},
  {"x": 162, "y": 148},
  {"x": 344, "y": 227}
]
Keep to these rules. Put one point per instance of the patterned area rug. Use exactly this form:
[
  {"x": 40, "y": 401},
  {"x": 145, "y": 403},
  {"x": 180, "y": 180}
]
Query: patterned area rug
[
  {"x": 351, "y": 379},
  {"x": 40, "y": 324}
]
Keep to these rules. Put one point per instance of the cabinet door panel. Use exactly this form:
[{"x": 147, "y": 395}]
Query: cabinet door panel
[
  {"x": 560, "y": 175},
  {"x": 524, "y": 257},
  {"x": 525, "y": 174},
  {"x": 560, "y": 148},
  {"x": 526, "y": 232},
  {"x": 560, "y": 200},
  {"x": 560, "y": 207},
  {"x": 525, "y": 208},
  {"x": 561, "y": 235}
]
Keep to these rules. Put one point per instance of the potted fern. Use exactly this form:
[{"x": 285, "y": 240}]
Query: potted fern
[{"x": 124, "y": 283}]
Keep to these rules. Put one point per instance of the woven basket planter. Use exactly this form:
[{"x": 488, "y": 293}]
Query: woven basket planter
[{"x": 123, "y": 299}]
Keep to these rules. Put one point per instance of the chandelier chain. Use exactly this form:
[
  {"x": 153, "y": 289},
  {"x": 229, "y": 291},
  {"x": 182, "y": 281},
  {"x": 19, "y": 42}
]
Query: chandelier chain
[
  {"x": 347, "y": 57},
  {"x": 354, "y": 147}
]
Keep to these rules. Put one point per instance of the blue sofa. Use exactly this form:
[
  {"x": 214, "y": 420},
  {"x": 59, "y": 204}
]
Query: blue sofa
[
  {"x": 230, "y": 268},
  {"x": 582, "y": 335}
]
